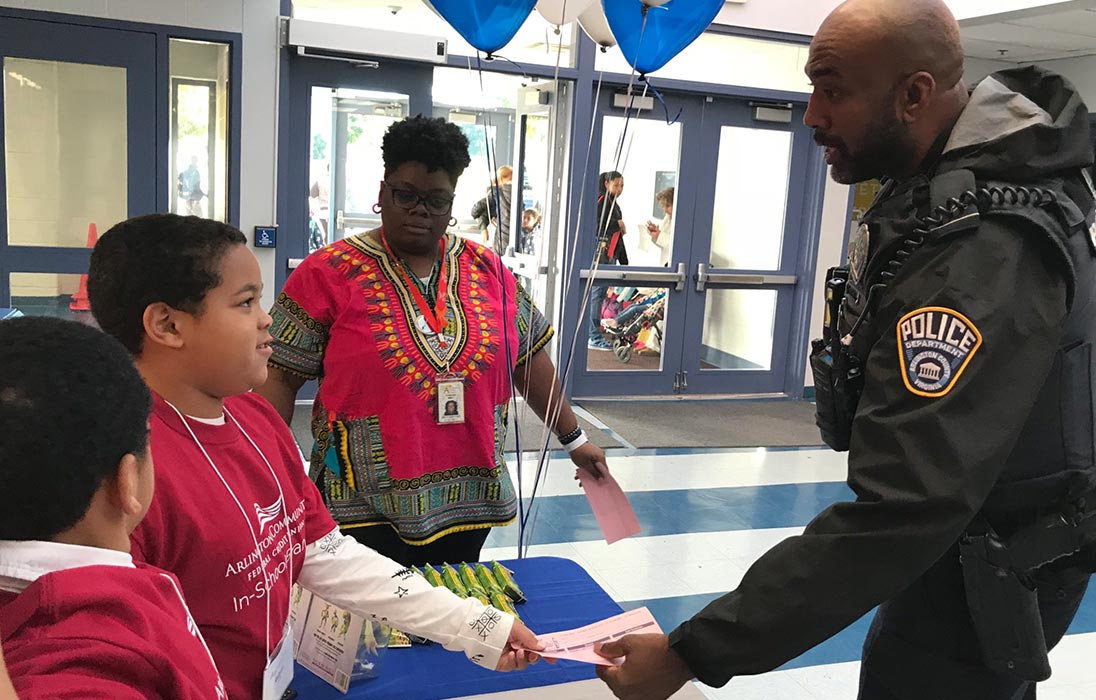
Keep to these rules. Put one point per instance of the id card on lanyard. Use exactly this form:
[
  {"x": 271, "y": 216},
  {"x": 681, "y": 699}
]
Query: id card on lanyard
[{"x": 279, "y": 667}]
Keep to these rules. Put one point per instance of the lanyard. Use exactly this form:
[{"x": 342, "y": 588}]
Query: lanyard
[
  {"x": 254, "y": 536},
  {"x": 436, "y": 318}
]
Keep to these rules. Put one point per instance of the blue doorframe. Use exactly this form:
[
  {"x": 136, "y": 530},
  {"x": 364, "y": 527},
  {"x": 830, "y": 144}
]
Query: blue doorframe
[
  {"x": 133, "y": 51},
  {"x": 412, "y": 79},
  {"x": 797, "y": 257},
  {"x": 142, "y": 49},
  {"x": 703, "y": 117}
]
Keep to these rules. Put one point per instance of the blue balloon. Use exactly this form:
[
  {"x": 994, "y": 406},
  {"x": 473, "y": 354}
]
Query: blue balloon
[
  {"x": 670, "y": 27},
  {"x": 486, "y": 24}
]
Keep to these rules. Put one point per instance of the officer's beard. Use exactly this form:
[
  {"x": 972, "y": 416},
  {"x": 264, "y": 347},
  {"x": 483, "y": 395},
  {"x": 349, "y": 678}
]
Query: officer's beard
[{"x": 887, "y": 149}]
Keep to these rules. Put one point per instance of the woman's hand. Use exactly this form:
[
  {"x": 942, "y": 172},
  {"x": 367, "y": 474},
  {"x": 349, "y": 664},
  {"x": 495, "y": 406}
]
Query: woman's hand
[{"x": 591, "y": 458}]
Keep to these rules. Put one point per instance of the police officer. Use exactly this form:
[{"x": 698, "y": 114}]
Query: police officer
[{"x": 957, "y": 370}]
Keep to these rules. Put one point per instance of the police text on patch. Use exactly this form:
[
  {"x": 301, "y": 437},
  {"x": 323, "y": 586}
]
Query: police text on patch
[{"x": 935, "y": 344}]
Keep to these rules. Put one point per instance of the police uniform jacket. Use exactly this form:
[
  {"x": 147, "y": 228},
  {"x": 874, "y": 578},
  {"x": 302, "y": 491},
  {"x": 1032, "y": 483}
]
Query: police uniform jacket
[{"x": 977, "y": 358}]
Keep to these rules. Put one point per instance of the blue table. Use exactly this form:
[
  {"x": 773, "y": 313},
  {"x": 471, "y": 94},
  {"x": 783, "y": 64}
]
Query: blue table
[{"x": 561, "y": 596}]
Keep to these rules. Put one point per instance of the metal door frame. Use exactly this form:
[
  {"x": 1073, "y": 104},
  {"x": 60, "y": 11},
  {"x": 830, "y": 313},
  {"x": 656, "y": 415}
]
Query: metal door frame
[
  {"x": 681, "y": 374},
  {"x": 788, "y": 280},
  {"x": 44, "y": 40},
  {"x": 628, "y": 382},
  {"x": 403, "y": 77},
  {"x": 55, "y": 36}
]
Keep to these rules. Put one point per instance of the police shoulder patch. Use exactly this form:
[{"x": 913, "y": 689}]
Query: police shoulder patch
[{"x": 935, "y": 344}]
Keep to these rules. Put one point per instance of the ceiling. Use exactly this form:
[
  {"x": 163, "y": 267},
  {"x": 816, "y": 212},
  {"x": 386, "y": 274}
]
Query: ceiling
[{"x": 1064, "y": 29}]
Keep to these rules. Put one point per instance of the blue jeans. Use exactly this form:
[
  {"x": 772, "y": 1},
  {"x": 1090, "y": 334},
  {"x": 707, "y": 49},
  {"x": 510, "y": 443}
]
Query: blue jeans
[{"x": 597, "y": 299}]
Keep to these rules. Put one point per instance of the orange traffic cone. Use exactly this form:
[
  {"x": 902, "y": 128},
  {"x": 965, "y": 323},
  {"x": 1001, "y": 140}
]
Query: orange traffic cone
[{"x": 80, "y": 298}]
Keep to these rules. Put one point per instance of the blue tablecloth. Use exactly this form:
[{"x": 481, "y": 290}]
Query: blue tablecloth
[{"x": 561, "y": 596}]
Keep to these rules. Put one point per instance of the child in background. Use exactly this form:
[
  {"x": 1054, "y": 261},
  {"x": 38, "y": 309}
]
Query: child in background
[
  {"x": 79, "y": 619},
  {"x": 235, "y": 516}
]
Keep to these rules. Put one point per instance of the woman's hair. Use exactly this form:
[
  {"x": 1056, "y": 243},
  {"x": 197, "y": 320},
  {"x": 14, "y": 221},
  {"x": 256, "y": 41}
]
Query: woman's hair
[
  {"x": 665, "y": 198},
  {"x": 435, "y": 143},
  {"x": 505, "y": 172},
  {"x": 605, "y": 178}
]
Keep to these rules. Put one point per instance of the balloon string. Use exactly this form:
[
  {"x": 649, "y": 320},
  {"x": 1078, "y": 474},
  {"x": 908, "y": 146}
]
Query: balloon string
[
  {"x": 662, "y": 101},
  {"x": 493, "y": 56}
]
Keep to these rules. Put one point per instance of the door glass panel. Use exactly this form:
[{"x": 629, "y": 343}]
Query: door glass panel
[
  {"x": 648, "y": 159},
  {"x": 484, "y": 107},
  {"x": 48, "y": 294},
  {"x": 738, "y": 329},
  {"x": 199, "y": 128},
  {"x": 632, "y": 323},
  {"x": 751, "y": 198},
  {"x": 346, "y": 166},
  {"x": 65, "y": 143}
]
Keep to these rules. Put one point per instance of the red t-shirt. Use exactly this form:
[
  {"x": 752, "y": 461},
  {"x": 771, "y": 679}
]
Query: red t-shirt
[
  {"x": 105, "y": 633},
  {"x": 196, "y": 530}
]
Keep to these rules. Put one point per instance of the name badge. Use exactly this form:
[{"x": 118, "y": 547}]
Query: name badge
[
  {"x": 279, "y": 667},
  {"x": 450, "y": 399}
]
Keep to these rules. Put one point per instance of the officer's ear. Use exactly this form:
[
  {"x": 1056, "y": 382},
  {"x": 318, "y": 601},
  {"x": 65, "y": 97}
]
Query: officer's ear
[{"x": 915, "y": 96}]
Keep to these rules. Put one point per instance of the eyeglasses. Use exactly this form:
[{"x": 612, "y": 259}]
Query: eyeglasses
[{"x": 436, "y": 205}]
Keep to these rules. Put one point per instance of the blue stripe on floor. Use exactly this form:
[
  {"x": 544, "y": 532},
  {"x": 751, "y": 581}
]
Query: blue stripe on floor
[
  {"x": 569, "y": 518},
  {"x": 845, "y": 646}
]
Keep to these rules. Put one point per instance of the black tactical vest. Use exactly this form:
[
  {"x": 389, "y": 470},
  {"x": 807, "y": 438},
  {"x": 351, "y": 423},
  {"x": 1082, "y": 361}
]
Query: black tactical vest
[{"x": 1055, "y": 458}]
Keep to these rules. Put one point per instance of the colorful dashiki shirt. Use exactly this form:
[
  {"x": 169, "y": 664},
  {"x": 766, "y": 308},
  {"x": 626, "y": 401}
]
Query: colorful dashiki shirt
[{"x": 347, "y": 318}]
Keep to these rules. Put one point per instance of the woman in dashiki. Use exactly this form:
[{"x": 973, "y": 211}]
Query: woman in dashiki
[{"x": 396, "y": 322}]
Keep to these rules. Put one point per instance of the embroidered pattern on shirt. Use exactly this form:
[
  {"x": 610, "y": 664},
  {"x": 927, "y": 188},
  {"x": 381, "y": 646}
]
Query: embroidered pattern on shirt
[
  {"x": 486, "y": 623},
  {"x": 331, "y": 543}
]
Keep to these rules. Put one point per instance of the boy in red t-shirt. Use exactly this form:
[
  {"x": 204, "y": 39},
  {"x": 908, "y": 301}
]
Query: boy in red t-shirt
[
  {"x": 78, "y": 618},
  {"x": 235, "y": 516}
]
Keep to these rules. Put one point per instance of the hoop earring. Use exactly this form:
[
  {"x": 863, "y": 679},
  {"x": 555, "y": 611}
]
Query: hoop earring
[
  {"x": 452, "y": 221},
  {"x": 377, "y": 208}
]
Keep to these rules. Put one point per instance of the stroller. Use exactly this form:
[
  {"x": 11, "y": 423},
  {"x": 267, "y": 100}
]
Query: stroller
[{"x": 624, "y": 335}]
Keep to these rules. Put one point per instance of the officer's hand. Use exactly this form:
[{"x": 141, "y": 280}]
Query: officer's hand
[
  {"x": 590, "y": 458},
  {"x": 651, "y": 669}
]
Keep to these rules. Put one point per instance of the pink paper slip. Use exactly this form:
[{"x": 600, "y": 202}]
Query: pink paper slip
[
  {"x": 578, "y": 644},
  {"x": 614, "y": 513}
]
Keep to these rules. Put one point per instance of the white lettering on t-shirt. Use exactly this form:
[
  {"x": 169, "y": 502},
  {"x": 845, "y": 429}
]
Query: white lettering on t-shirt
[{"x": 271, "y": 562}]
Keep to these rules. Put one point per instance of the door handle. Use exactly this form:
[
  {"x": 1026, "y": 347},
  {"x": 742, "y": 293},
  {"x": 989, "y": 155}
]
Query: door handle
[
  {"x": 294, "y": 263},
  {"x": 340, "y": 222},
  {"x": 680, "y": 277},
  {"x": 701, "y": 276}
]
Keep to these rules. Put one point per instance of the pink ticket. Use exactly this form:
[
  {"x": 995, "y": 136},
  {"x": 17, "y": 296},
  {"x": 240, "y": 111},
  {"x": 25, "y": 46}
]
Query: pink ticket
[
  {"x": 578, "y": 644},
  {"x": 614, "y": 513}
]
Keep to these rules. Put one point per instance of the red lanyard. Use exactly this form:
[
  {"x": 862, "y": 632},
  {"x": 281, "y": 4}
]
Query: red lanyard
[{"x": 436, "y": 318}]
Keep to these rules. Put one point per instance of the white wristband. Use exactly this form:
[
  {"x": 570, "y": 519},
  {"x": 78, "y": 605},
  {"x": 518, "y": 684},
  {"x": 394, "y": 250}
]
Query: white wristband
[{"x": 576, "y": 443}]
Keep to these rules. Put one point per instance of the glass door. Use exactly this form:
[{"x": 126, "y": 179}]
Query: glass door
[
  {"x": 79, "y": 126},
  {"x": 633, "y": 345},
  {"x": 339, "y": 112},
  {"x": 746, "y": 249},
  {"x": 532, "y": 251},
  {"x": 714, "y": 222}
]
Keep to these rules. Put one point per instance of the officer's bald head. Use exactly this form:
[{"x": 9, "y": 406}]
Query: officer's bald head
[{"x": 888, "y": 77}]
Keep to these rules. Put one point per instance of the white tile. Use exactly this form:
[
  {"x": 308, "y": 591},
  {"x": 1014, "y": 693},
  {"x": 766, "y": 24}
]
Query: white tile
[
  {"x": 709, "y": 575},
  {"x": 828, "y": 682},
  {"x": 641, "y": 581},
  {"x": 744, "y": 547},
  {"x": 770, "y": 686},
  {"x": 629, "y": 552},
  {"x": 1068, "y": 692},
  {"x": 1072, "y": 662},
  {"x": 712, "y": 469}
]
